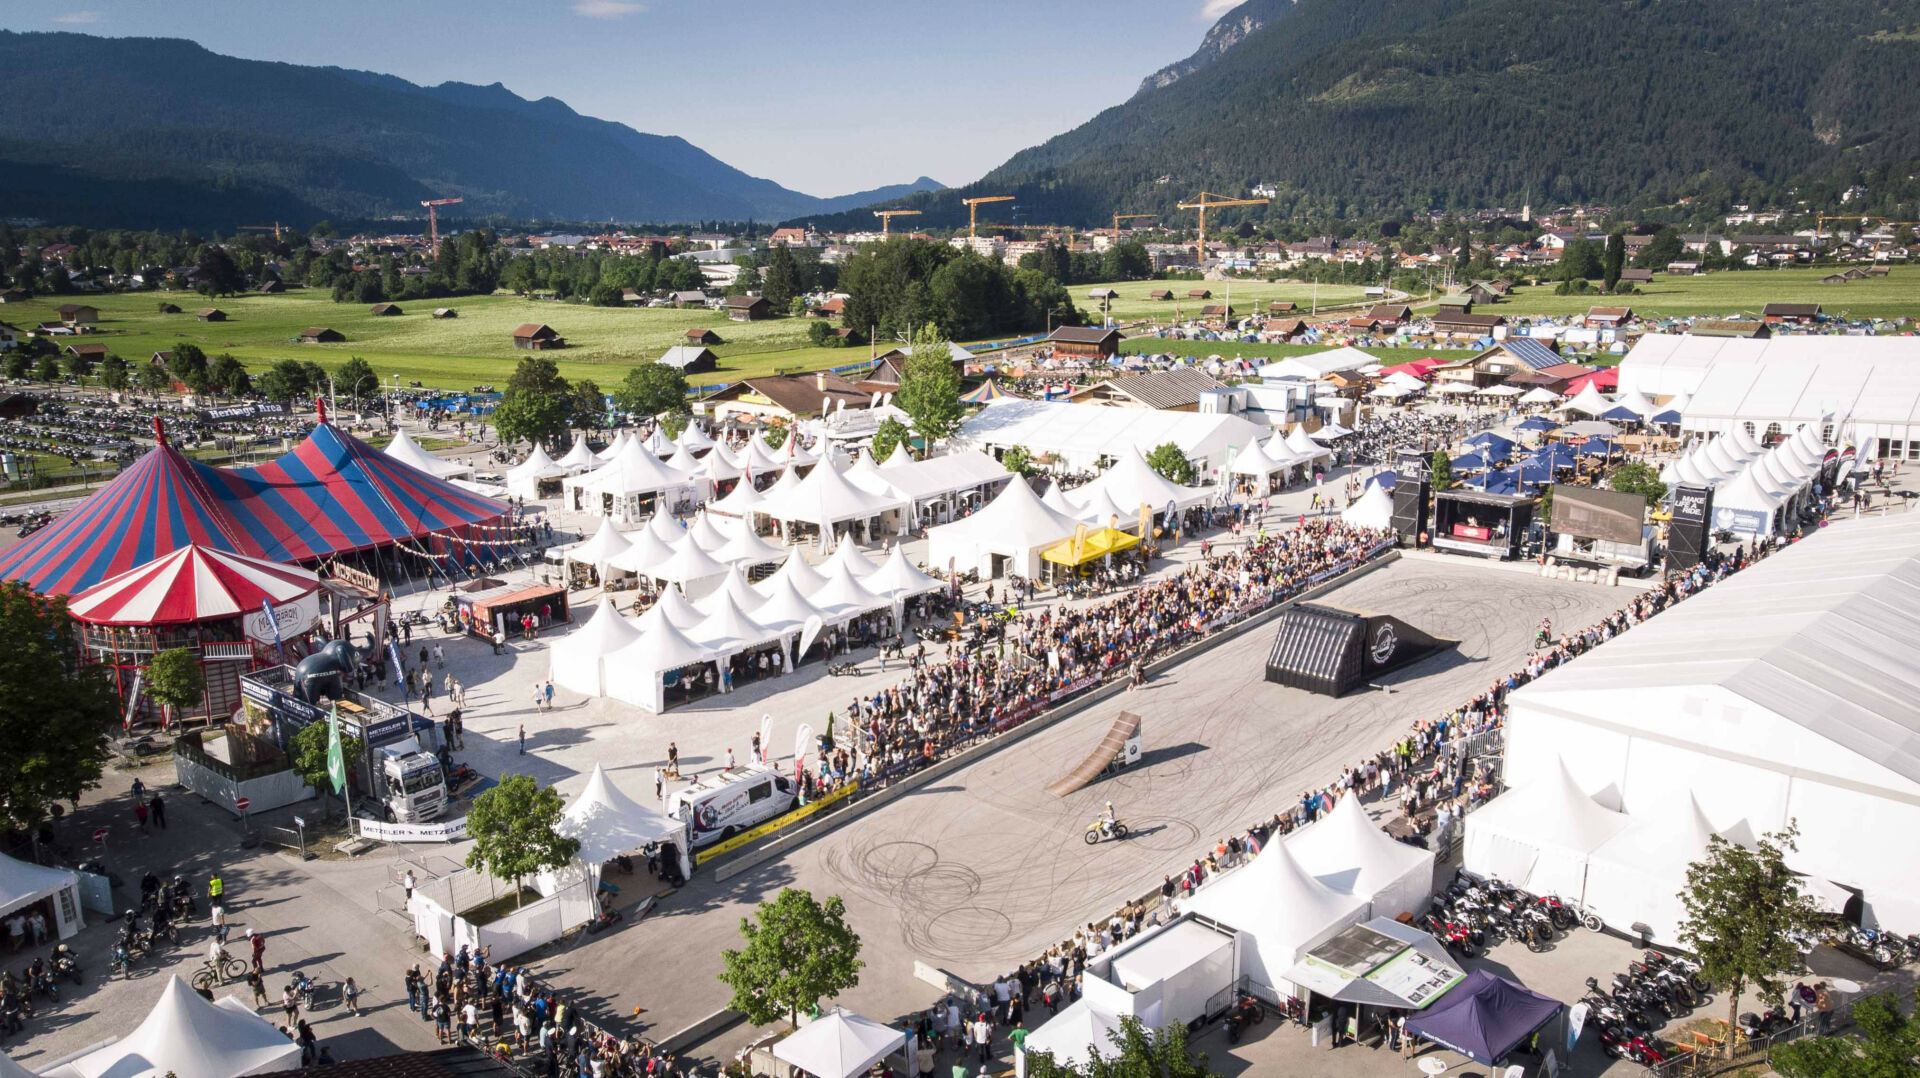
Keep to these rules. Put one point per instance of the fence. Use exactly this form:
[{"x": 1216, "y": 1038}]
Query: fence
[{"x": 1704, "y": 1055}]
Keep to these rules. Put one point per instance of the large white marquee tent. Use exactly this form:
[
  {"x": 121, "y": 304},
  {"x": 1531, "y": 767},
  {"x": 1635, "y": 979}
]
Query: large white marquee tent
[
  {"x": 1015, "y": 526},
  {"x": 1085, "y": 436}
]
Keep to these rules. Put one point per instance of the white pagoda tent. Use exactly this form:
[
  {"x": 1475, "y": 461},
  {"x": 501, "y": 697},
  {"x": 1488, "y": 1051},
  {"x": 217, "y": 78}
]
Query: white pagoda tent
[
  {"x": 1071, "y": 1037},
  {"x": 23, "y": 883},
  {"x": 825, "y": 499},
  {"x": 185, "y": 1034},
  {"x": 785, "y": 608},
  {"x": 636, "y": 673},
  {"x": 1303, "y": 444},
  {"x": 1013, "y": 528},
  {"x": 1373, "y": 509},
  {"x": 690, "y": 567},
  {"x": 578, "y": 458},
  {"x": 599, "y": 550},
  {"x": 742, "y": 501},
  {"x": 1280, "y": 912},
  {"x": 407, "y": 451},
  {"x": 899, "y": 577},
  {"x": 805, "y": 578},
  {"x": 839, "y": 1044},
  {"x": 1349, "y": 853},
  {"x": 578, "y": 660},
  {"x": 1132, "y": 481},
  {"x": 733, "y": 586},
  {"x": 1589, "y": 401},
  {"x": 524, "y": 478},
  {"x": 608, "y": 823},
  {"x": 1539, "y": 836},
  {"x": 671, "y": 609}
]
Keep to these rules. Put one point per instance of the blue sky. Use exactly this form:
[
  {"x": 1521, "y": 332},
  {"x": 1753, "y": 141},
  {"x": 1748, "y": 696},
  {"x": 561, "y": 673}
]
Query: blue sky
[{"x": 824, "y": 97}]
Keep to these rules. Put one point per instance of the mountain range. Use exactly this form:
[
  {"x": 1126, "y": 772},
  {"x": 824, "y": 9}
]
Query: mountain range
[
  {"x": 1346, "y": 107},
  {"x": 160, "y": 132}
]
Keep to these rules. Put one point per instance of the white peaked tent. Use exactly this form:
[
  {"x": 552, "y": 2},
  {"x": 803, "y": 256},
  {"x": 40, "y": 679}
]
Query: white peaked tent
[
  {"x": 1071, "y": 1037},
  {"x": 785, "y": 608},
  {"x": 729, "y": 629},
  {"x": 1403, "y": 380},
  {"x": 1056, "y": 499},
  {"x": 682, "y": 463},
  {"x": 600, "y": 550},
  {"x": 1328, "y": 432},
  {"x": 743, "y": 500},
  {"x": 185, "y": 1034},
  {"x": 694, "y": 439},
  {"x": 1373, "y": 509},
  {"x": 23, "y": 883},
  {"x": 1539, "y": 395},
  {"x": 1132, "y": 481},
  {"x": 1589, "y": 401},
  {"x": 644, "y": 553},
  {"x": 1743, "y": 443},
  {"x": 899, "y": 458},
  {"x": 578, "y": 660},
  {"x": 733, "y": 587},
  {"x": 1280, "y": 912},
  {"x": 1348, "y": 853},
  {"x": 1637, "y": 877},
  {"x": 805, "y": 578},
  {"x": 843, "y": 597},
  {"x": 718, "y": 466},
  {"x": 662, "y": 524},
  {"x": 900, "y": 578},
  {"x": 673, "y": 610},
  {"x": 705, "y": 534},
  {"x": 657, "y": 442},
  {"x": 1097, "y": 507},
  {"x": 763, "y": 457},
  {"x": 1253, "y": 460},
  {"x": 849, "y": 555},
  {"x": 690, "y": 567},
  {"x": 10, "y": 1069},
  {"x": 839, "y": 1044},
  {"x": 407, "y": 451},
  {"x": 1017, "y": 525},
  {"x": 1539, "y": 836},
  {"x": 524, "y": 478},
  {"x": 1636, "y": 402},
  {"x": 1745, "y": 504},
  {"x": 626, "y": 479},
  {"x": 1303, "y": 444},
  {"x": 635, "y": 672},
  {"x": 791, "y": 453},
  {"x": 864, "y": 464},
  {"x": 745, "y": 548},
  {"x": 608, "y": 823},
  {"x": 578, "y": 458},
  {"x": 826, "y": 498},
  {"x": 614, "y": 447}
]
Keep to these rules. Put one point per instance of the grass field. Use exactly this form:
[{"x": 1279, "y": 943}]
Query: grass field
[
  {"x": 458, "y": 352},
  {"x": 1248, "y": 297},
  {"x": 1896, "y": 295}
]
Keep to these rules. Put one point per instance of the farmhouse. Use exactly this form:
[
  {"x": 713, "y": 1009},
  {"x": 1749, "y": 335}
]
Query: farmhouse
[
  {"x": 210, "y": 314},
  {"x": 1389, "y": 314},
  {"x": 690, "y": 359},
  {"x": 790, "y": 397},
  {"x": 1790, "y": 312},
  {"x": 703, "y": 336},
  {"x": 748, "y": 308},
  {"x": 321, "y": 335},
  {"x": 386, "y": 310},
  {"x": 1085, "y": 341},
  {"x": 537, "y": 337},
  {"x": 74, "y": 314},
  {"x": 1450, "y": 323},
  {"x": 1609, "y": 317}
]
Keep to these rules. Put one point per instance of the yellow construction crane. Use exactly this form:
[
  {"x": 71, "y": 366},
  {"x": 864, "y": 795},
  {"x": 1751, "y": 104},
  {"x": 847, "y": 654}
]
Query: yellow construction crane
[
  {"x": 276, "y": 228},
  {"x": 973, "y": 204},
  {"x": 887, "y": 216},
  {"x": 1119, "y": 217},
  {"x": 1209, "y": 200}
]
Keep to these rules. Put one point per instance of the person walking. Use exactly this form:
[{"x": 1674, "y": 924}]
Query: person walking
[
  {"x": 440, "y": 658},
  {"x": 157, "y": 808},
  {"x": 140, "y": 815},
  {"x": 523, "y": 739},
  {"x": 538, "y": 699},
  {"x": 259, "y": 986},
  {"x": 350, "y": 995},
  {"x": 259, "y": 945},
  {"x": 549, "y": 697},
  {"x": 215, "y": 888},
  {"x": 219, "y": 916}
]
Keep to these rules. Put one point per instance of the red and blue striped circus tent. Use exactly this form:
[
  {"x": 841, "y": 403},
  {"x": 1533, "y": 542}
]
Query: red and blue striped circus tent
[{"x": 333, "y": 494}]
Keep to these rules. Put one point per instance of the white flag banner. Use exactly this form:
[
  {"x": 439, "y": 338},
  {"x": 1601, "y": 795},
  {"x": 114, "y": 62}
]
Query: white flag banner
[{"x": 802, "y": 742}]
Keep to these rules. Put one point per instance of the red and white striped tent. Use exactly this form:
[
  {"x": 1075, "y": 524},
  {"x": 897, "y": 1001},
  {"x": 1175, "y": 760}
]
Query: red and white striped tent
[{"x": 194, "y": 583}]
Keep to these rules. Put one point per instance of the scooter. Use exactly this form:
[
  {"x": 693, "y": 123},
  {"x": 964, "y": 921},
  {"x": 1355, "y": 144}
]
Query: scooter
[{"x": 1101, "y": 829}]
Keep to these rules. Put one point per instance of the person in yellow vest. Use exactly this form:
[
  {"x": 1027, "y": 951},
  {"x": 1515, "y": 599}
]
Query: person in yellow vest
[{"x": 215, "y": 888}]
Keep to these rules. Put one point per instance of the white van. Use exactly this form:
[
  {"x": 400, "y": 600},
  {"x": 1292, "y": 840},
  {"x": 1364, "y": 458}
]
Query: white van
[{"x": 721, "y": 805}]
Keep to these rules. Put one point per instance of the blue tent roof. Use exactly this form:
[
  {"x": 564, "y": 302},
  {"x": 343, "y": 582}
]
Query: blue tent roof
[
  {"x": 1496, "y": 446},
  {"x": 1471, "y": 462},
  {"x": 1484, "y": 1017},
  {"x": 1384, "y": 479},
  {"x": 1512, "y": 480},
  {"x": 1557, "y": 455},
  {"x": 1621, "y": 413},
  {"x": 1668, "y": 416},
  {"x": 1535, "y": 423},
  {"x": 1596, "y": 447}
]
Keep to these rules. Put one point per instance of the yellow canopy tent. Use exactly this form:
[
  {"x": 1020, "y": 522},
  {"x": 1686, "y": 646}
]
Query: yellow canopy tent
[{"x": 1089, "y": 545}]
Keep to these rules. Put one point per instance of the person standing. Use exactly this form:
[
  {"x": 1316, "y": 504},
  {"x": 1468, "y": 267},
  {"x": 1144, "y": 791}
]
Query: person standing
[
  {"x": 259, "y": 945},
  {"x": 157, "y": 808},
  {"x": 350, "y": 995},
  {"x": 259, "y": 986},
  {"x": 1823, "y": 1007},
  {"x": 140, "y": 815},
  {"x": 290, "y": 1004},
  {"x": 523, "y": 739}
]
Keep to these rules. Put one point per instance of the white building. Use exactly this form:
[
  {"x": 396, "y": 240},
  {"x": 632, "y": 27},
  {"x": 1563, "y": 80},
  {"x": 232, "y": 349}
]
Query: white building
[
  {"x": 1787, "y": 694},
  {"x": 1089, "y": 436}
]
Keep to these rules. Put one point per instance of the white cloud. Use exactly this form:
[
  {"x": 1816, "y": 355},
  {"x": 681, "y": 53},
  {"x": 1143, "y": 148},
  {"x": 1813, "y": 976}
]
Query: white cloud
[
  {"x": 78, "y": 17},
  {"x": 606, "y": 9},
  {"x": 1211, "y": 10}
]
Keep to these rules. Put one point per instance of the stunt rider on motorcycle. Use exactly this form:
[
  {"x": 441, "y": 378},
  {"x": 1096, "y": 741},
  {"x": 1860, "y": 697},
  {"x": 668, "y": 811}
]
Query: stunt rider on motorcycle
[{"x": 1107, "y": 820}]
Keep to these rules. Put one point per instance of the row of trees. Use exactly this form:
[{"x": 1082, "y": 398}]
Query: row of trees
[
  {"x": 895, "y": 288},
  {"x": 540, "y": 406}
]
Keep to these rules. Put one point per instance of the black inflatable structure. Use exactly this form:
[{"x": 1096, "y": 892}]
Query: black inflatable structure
[{"x": 1331, "y": 651}]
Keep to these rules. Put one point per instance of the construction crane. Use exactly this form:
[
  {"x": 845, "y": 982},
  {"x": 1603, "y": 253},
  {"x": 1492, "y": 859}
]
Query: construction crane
[
  {"x": 972, "y": 205},
  {"x": 887, "y": 216},
  {"x": 276, "y": 228},
  {"x": 1203, "y": 204},
  {"x": 1119, "y": 217},
  {"x": 433, "y": 220}
]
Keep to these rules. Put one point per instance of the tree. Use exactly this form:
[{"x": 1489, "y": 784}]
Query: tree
[
  {"x": 653, "y": 389},
  {"x": 1169, "y": 461},
  {"x": 356, "y": 379},
  {"x": 537, "y": 405},
  {"x": 782, "y": 282},
  {"x": 54, "y": 713},
  {"x": 47, "y": 368},
  {"x": 188, "y": 365},
  {"x": 1665, "y": 248},
  {"x": 218, "y": 274},
  {"x": 1614, "y": 260},
  {"x": 1017, "y": 460},
  {"x": 1888, "y": 1046},
  {"x": 113, "y": 373},
  {"x": 798, "y": 951},
  {"x": 18, "y": 364},
  {"x": 285, "y": 381},
  {"x": 1442, "y": 470},
  {"x": 1744, "y": 906},
  {"x": 174, "y": 678},
  {"x": 153, "y": 377},
  {"x": 79, "y": 365},
  {"x": 589, "y": 405},
  {"x": 228, "y": 375},
  {"x": 1579, "y": 261},
  {"x": 513, "y": 827},
  {"x": 887, "y": 439},
  {"x": 1634, "y": 477},
  {"x": 308, "y": 752},
  {"x": 1136, "y": 1050},
  {"x": 930, "y": 387}
]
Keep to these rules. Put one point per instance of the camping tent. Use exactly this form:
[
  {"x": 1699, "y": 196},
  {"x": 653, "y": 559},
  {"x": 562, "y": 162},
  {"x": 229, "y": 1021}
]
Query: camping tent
[
  {"x": 1348, "y": 853},
  {"x": 1484, "y": 1017},
  {"x": 1373, "y": 509},
  {"x": 1538, "y": 837},
  {"x": 1014, "y": 526},
  {"x": 185, "y": 1034},
  {"x": 23, "y": 883},
  {"x": 1280, "y": 912},
  {"x": 839, "y": 1044},
  {"x": 1071, "y": 1037},
  {"x": 609, "y": 823},
  {"x": 1637, "y": 877},
  {"x": 577, "y": 661},
  {"x": 407, "y": 451}
]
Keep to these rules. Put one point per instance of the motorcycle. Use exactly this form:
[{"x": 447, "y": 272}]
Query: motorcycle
[
  {"x": 1101, "y": 829},
  {"x": 1246, "y": 1012},
  {"x": 842, "y": 669},
  {"x": 123, "y": 960},
  {"x": 1760, "y": 1026},
  {"x": 65, "y": 964}
]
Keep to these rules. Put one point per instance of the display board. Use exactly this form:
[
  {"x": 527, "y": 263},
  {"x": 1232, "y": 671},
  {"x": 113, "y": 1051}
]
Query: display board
[{"x": 1592, "y": 513}]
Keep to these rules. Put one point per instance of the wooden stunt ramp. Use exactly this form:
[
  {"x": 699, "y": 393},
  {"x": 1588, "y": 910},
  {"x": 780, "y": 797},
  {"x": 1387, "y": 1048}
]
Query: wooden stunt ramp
[{"x": 1126, "y": 726}]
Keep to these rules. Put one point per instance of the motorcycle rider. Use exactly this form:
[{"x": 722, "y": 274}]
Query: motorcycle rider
[{"x": 1107, "y": 821}]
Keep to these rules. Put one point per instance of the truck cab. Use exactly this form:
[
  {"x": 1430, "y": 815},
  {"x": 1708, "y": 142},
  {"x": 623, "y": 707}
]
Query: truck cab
[{"x": 413, "y": 786}]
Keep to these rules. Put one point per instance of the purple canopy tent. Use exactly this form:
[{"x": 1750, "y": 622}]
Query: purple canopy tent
[{"x": 1484, "y": 1017}]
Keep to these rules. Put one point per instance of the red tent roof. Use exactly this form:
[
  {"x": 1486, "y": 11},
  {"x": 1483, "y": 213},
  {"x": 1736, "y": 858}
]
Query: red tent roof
[
  {"x": 191, "y": 584},
  {"x": 1417, "y": 368},
  {"x": 1604, "y": 380}
]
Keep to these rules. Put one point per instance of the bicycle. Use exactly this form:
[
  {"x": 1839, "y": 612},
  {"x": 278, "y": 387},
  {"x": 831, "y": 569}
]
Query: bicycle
[{"x": 210, "y": 976}]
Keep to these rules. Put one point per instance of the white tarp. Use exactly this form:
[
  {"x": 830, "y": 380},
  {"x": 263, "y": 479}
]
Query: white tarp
[
  {"x": 578, "y": 660},
  {"x": 1348, "y": 853},
  {"x": 185, "y": 1034},
  {"x": 1281, "y": 912},
  {"x": 1539, "y": 836},
  {"x": 839, "y": 1044}
]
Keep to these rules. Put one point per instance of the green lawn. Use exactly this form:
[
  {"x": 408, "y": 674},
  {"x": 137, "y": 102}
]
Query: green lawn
[
  {"x": 1896, "y": 295},
  {"x": 459, "y": 352},
  {"x": 1248, "y": 297}
]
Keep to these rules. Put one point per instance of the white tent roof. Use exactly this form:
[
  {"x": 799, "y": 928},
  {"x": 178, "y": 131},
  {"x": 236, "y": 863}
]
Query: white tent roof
[
  {"x": 844, "y": 596},
  {"x": 1072, "y": 1037},
  {"x": 1373, "y": 509},
  {"x": 1253, "y": 460},
  {"x": 574, "y": 660},
  {"x": 745, "y": 547},
  {"x": 606, "y": 543},
  {"x": 741, "y": 500},
  {"x": 671, "y": 609},
  {"x": 608, "y": 822},
  {"x": 786, "y": 609},
  {"x": 661, "y": 648},
  {"x": 1539, "y": 395},
  {"x": 1788, "y": 377},
  {"x": 901, "y": 457},
  {"x": 1329, "y": 432},
  {"x": 1280, "y": 905},
  {"x": 614, "y": 447},
  {"x": 644, "y": 552},
  {"x": 536, "y": 467},
  {"x": 790, "y": 451},
  {"x": 1636, "y": 402},
  {"x": 849, "y": 555},
  {"x": 1056, "y": 499},
  {"x": 734, "y": 586},
  {"x": 185, "y": 1034},
  {"x": 657, "y": 442},
  {"x": 694, "y": 438},
  {"x": 688, "y": 564},
  {"x": 578, "y": 457},
  {"x": 1390, "y": 392},
  {"x": 1448, "y": 389},
  {"x": 407, "y": 451},
  {"x": 1501, "y": 391},
  {"x": 10, "y": 1069},
  {"x": 1403, "y": 380},
  {"x": 1300, "y": 442},
  {"x": 1016, "y": 520},
  {"x": 1087, "y": 431},
  {"x": 825, "y": 498},
  {"x": 1551, "y": 812},
  {"x": 1132, "y": 481},
  {"x": 1319, "y": 364},
  {"x": 805, "y": 578},
  {"x": 1589, "y": 401},
  {"x": 663, "y": 525},
  {"x": 23, "y": 881},
  {"x": 1097, "y": 507},
  {"x": 705, "y": 534},
  {"x": 730, "y": 628},
  {"x": 899, "y": 577},
  {"x": 1348, "y": 853},
  {"x": 683, "y": 463},
  {"x": 863, "y": 462},
  {"x": 632, "y": 471},
  {"x": 763, "y": 457},
  {"x": 719, "y": 465},
  {"x": 839, "y": 1044},
  {"x": 1747, "y": 491}
]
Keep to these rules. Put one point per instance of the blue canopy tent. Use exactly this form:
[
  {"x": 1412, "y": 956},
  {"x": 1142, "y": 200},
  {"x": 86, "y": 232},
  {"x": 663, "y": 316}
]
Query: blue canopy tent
[
  {"x": 1475, "y": 461},
  {"x": 1620, "y": 413},
  {"x": 1383, "y": 479},
  {"x": 1496, "y": 447},
  {"x": 1535, "y": 423},
  {"x": 1556, "y": 455},
  {"x": 1484, "y": 1017},
  {"x": 1670, "y": 417},
  {"x": 1596, "y": 447},
  {"x": 1516, "y": 479}
]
